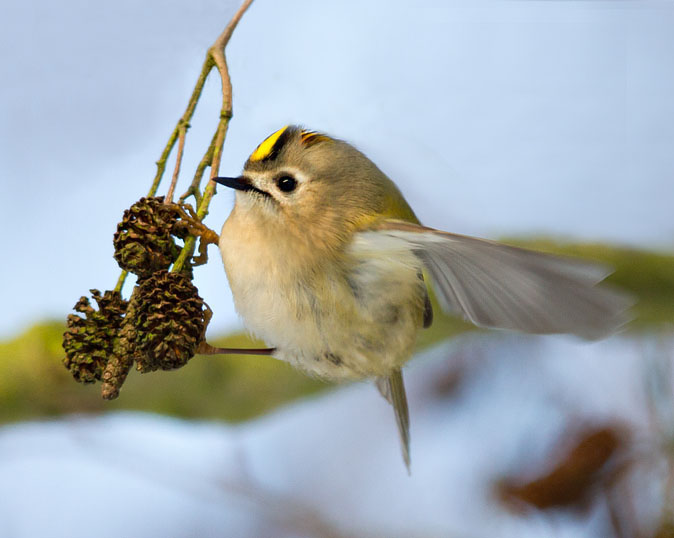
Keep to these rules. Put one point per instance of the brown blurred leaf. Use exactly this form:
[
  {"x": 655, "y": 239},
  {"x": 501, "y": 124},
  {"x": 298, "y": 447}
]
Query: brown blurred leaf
[
  {"x": 575, "y": 476},
  {"x": 666, "y": 530},
  {"x": 446, "y": 383}
]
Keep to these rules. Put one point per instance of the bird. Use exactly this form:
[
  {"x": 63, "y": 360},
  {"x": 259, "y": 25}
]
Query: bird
[{"x": 329, "y": 265}]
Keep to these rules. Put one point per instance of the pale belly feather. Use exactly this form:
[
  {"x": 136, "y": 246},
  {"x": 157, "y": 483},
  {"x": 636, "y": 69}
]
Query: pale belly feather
[{"x": 352, "y": 319}]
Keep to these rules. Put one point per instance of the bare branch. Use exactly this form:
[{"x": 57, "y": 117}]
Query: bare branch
[
  {"x": 214, "y": 57},
  {"x": 183, "y": 121},
  {"x": 208, "y": 349},
  {"x": 217, "y": 54},
  {"x": 182, "y": 131},
  {"x": 193, "y": 189}
]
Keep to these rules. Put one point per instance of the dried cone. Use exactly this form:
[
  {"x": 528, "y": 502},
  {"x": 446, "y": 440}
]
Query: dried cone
[
  {"x": 169, "y": 321},
  {"x": 123, "y": 352},
  {"x": 143, "y": 241},
  {"x": 88, "y": 341}
]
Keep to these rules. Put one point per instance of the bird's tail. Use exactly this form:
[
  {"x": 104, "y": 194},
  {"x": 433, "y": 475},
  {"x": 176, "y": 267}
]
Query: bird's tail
[{"x": 393, "y": 389}]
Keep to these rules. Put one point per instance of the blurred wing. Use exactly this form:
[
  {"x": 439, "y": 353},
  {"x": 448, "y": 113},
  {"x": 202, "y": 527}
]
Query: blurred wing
[{"x": 496, "y": 285}]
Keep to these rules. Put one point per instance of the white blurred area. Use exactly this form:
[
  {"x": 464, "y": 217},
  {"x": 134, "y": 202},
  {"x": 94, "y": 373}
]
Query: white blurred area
[
  {"x": 330, "y": 467},
  {"x": 495, "y": 118}
]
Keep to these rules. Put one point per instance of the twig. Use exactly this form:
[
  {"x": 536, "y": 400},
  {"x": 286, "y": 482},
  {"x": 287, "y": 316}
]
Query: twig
[
  {"x": 193, "y": 189},
  {"x": 182, "y": 131},
  {"x": 183, "y": 122},
  {"x": 161, "y": 163},
  {"x": 207, "y": 349},
  {"x": 217, "y": 52},
  {"x": 214, "y": 56},
  {"x": 217, "y": 55}
]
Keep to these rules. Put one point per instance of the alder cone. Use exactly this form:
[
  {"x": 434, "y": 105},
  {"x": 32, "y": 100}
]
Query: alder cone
[
  {"x": 169, "y": 321},
  {"x": 88, "y": 341},
  {"x": 144, "y": 240}
]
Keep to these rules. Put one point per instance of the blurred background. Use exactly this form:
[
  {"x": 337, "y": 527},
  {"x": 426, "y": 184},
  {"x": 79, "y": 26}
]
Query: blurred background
[{"x": 549, "y": 124}]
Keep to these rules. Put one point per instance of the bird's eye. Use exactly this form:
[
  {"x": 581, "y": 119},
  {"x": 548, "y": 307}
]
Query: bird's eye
[{"x": 286, "y": 183}]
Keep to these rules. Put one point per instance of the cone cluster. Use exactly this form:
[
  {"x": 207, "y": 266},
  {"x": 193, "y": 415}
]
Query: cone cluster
[{"x": 161, "y": 325}]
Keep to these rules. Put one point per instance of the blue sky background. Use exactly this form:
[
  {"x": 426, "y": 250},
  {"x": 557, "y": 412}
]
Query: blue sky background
[{"x": 495, "y": 118}]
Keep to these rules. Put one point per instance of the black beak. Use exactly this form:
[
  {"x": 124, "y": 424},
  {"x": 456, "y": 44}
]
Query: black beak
[
  {"x": 238, "y": 183},
  {"x": 241, "y": 183}
]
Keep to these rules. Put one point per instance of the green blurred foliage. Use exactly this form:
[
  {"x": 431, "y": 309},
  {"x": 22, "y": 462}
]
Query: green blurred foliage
[{"x": 35, "y": 384}]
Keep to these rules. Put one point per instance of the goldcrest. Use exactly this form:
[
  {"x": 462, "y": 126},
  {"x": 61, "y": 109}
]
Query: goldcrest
[{"x": 328, "y": 264}]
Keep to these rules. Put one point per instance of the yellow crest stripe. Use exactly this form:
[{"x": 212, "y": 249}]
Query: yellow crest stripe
[
  {"x": 264, "y": 149},
  {"x": 309, "y": 138}
]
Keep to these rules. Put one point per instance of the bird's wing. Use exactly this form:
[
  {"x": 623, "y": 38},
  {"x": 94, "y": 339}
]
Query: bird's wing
[
  {"x": 500, "y": 286},
  {"x": 393, "y": 389}
]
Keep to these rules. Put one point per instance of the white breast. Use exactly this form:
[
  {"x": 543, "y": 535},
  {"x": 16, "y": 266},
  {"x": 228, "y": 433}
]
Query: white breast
[{"x": 348, "y": 319}]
